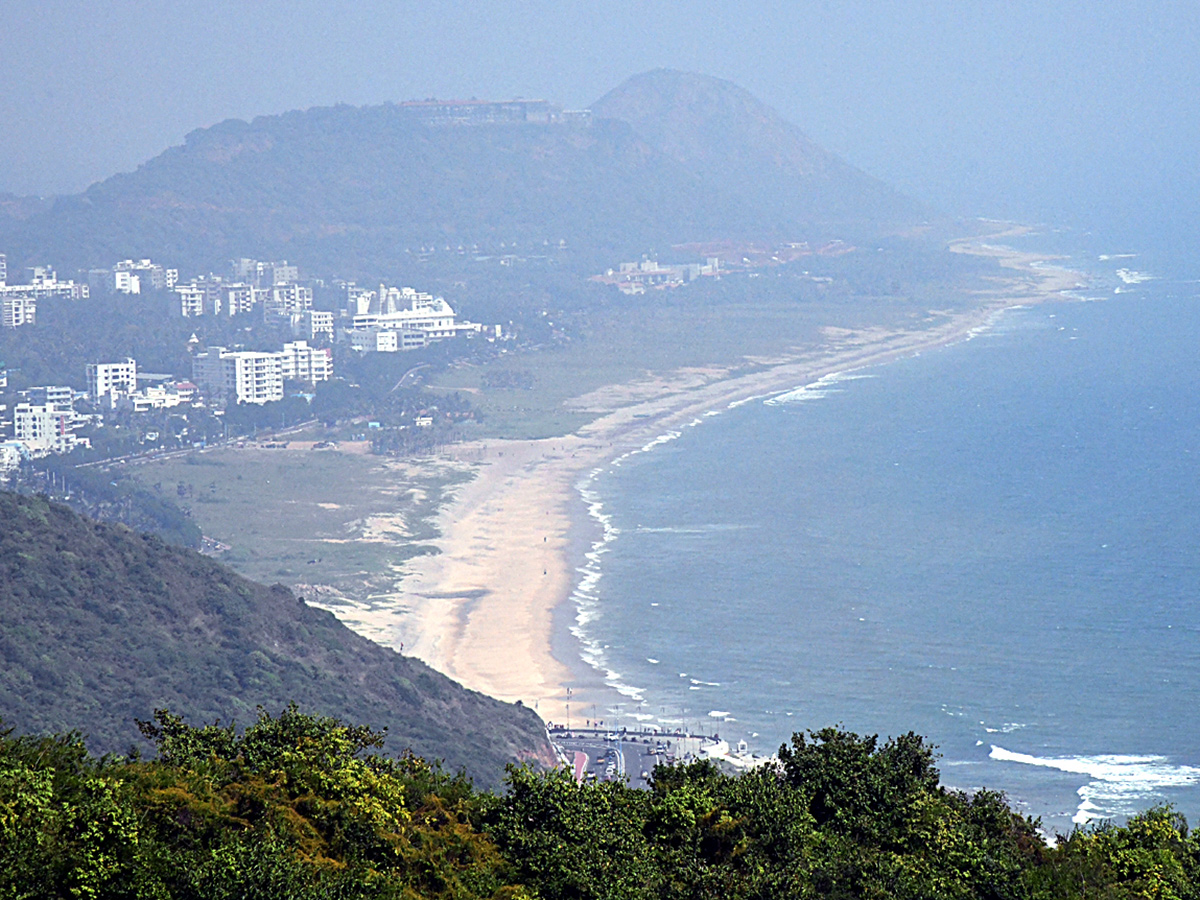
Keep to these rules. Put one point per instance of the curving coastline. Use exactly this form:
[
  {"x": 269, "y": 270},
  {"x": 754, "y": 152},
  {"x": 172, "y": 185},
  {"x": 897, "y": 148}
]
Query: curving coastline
[{"x": 488, "y": 609}]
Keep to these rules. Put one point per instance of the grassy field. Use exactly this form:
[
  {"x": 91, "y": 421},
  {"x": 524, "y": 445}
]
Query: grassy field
[
  {"x": 308, "y": 517},
  {"x": 659, "y": 332}
]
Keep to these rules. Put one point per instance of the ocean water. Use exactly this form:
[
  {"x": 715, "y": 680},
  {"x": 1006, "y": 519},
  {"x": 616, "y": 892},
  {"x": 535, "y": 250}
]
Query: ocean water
[{"x": 995, "y": 544}]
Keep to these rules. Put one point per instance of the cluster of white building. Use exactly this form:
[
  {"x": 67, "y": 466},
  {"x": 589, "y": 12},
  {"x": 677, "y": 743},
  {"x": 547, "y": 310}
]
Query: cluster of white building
[
  {"x": 130, "y": 276},
  {"x": 386, "y": 320},
  {"x": 115, "y": 386},
  {"x": 44, "y": 422},
  {"x": 18, "y": 302},
  {"x": 251, "y": 376},
  {"x": 635, "y": 277}
]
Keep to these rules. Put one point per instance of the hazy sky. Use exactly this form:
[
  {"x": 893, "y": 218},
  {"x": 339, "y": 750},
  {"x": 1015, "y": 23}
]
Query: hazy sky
[{"x": 1009, "y": 107}]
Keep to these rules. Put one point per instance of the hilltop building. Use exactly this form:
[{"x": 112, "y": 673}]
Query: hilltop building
[
  {"x": 487, "y": 112},
  {"x": 18, "y": 302},
  {"x": 313, "y": 323},
  {"x": 287, "y": 299}
]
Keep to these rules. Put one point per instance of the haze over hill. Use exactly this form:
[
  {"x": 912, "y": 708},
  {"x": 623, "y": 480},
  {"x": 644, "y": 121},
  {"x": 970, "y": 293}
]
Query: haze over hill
[
  {"x": 668, "y": 157},
  {"x": 739, "y": 146}
]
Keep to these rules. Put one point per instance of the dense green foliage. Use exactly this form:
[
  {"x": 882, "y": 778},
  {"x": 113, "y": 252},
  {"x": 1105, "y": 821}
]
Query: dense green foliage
[
  {"x": 109, "y": 497},
  {"x": 302, "y": 806},
  {"x": 102, "y": 626}
]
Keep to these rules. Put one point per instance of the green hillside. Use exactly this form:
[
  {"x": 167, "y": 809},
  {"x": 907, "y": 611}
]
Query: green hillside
[{"x": 102, "y": 625}]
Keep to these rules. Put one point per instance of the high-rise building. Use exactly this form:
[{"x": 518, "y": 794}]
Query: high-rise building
[
  {"x": 240, "y": 376},
  {"x": 111, "y": 380}
]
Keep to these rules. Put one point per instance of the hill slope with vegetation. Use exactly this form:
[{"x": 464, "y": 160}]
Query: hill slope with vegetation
[
  {"x": 668, "y": 158},
  {"x": 103, "y": 625}
]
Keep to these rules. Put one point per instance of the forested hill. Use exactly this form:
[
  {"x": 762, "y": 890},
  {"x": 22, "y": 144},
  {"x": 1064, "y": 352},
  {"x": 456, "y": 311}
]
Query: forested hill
[
  {"x": 102, "y": 625},
  {"x": 668, "y": 158}
]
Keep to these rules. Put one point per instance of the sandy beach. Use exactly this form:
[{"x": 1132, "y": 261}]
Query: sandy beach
[{"x": 483, "y": 609}]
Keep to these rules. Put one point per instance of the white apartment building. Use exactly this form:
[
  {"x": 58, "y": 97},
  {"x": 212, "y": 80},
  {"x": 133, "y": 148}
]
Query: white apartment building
[
  {"x": 287, "y": 300},
  {"x": 311, "y": 323},
  {"x": 138, "y": 273},
  {"x": 111, "y": 380},
  {"x": 200, "y": 297},
  {"x": 191, "y": 300},
  {"x": 263, "y": 273},
  {"x": 372, "y": 340},
  {"x": 243, "y": 376},
  {"x": 385, "y": 340},
  {"x": 17, "y": 310},
  {"x": 42, "y": 283},
  {"x": 301, "y": 362},
  {"x": 45, "y": 429},
  {"x": 239, "y": 298},
  {"x": 126, "y": 283},
  {"x": 59, "y": 397},
  {"x": 3, "y": 269}
]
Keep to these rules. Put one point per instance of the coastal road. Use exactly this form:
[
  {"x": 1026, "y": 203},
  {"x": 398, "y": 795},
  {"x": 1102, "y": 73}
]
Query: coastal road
[{"x": 620, "y": 759}]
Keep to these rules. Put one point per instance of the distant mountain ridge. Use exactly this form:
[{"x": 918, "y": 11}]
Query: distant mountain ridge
[
  {"x": 736, "y": 143},
  {"x": 667, "y": 158},
  {"x": 102, "y": 625}
]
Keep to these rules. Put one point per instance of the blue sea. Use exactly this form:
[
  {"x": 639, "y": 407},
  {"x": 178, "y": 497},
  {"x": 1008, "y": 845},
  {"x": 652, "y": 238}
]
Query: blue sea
[{"x": 995, "y": 544}]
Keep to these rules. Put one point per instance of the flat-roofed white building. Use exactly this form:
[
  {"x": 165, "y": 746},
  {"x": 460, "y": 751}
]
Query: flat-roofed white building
[
  {"x": 17, "y": 310},
  {"x": 372, "y": 340},
  {"x": 111, "y": 380},
  {"x": 385, "y": 340},
  {"x": 301, "y": 362},
  {"x": 200, "y": 297},
  {"x": 157, "y": 396},
  {"x": 243, "y": 376},
  {"x": 126, "y": 282},
  {"x": 240, "y": 299},
  {"x": 311, "y": 323},
  {"x": 191, "y": 300},
  {"x": 42, "y": 283},
  {"x": 45, "y": 428},
  {"x": 287, "y": 300}
]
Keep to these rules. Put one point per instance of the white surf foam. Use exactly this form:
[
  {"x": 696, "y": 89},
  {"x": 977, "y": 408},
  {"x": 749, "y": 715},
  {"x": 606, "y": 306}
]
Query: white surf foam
[
  {"x": 822, "y": 387},
  {"x": 1132, "y": 276},
  {"x": 1117, "y": 785}
]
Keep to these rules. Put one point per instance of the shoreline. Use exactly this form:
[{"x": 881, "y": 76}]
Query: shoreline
[{"x": 494, "y": 609}]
